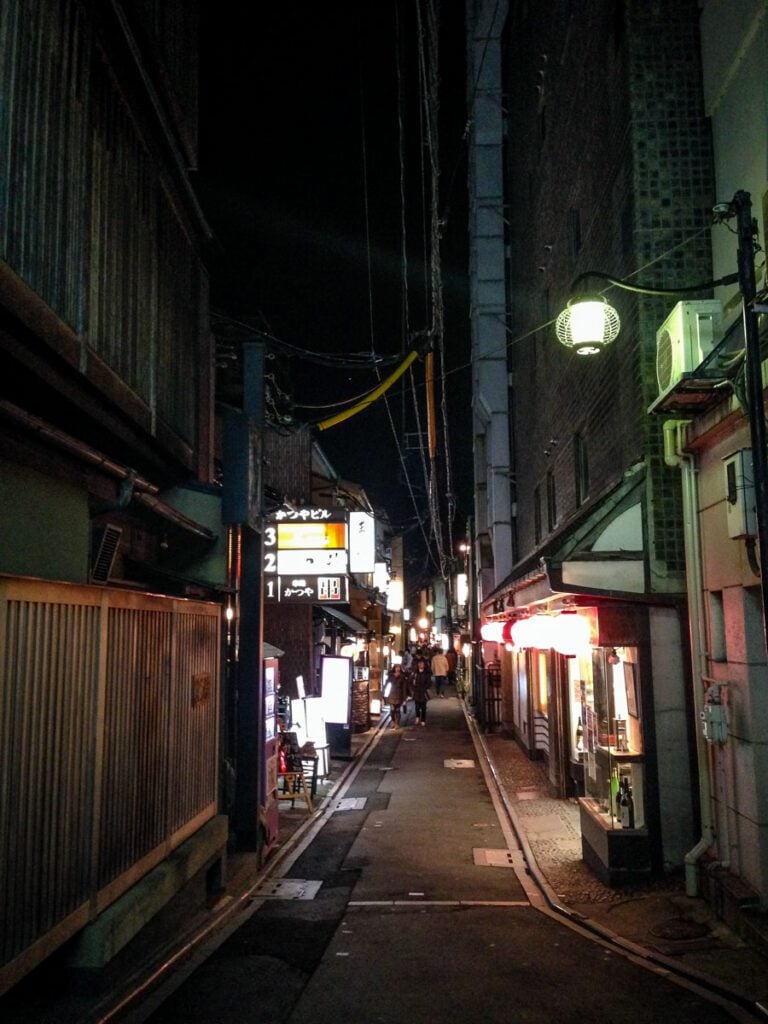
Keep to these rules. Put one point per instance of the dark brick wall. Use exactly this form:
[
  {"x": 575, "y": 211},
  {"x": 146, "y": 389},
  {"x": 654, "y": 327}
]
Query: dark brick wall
[{"x": 608, "y": 166}]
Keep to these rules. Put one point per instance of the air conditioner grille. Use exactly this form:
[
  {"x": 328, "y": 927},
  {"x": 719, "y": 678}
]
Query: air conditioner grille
[
  {"x": 664, "y": 360},
  {"x": 106, "y": 546}
]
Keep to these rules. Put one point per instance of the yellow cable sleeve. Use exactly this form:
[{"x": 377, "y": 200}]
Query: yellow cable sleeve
[{"x": 369, "y": 399}]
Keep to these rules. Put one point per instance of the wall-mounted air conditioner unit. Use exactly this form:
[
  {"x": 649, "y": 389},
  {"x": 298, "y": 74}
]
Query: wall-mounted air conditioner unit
[{"x": 685, "y": 339}]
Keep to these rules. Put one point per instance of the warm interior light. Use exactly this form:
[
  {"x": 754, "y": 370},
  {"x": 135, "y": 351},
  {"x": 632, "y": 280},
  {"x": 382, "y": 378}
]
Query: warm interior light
[{"x": 587, "y": 325}]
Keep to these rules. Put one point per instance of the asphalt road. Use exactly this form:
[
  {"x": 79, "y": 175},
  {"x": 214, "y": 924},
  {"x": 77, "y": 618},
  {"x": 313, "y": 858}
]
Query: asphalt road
[{"x": 391, "y": 915}]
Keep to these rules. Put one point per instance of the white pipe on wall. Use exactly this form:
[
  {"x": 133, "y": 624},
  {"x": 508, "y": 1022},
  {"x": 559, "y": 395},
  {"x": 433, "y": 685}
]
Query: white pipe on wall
[{"x": 675, "y": 457}]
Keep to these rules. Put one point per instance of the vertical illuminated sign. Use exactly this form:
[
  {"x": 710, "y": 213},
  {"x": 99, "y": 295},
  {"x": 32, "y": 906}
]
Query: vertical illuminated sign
[{"x": 362, "y": 542}]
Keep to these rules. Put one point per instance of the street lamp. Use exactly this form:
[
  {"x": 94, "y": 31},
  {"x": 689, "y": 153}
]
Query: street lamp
[
  {"x": 589, "y": 323},
  {"x": 587, "y": 332}
]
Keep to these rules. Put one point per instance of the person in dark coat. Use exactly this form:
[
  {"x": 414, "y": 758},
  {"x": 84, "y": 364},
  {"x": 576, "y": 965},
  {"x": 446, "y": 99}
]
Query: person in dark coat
[
  {"x": 395, "y": 693},
  {"x": 420, "y": 683}
]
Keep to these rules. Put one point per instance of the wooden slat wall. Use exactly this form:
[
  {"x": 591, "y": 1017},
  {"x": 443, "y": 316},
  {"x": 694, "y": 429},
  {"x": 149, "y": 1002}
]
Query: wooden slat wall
[
  {"x": 108, "y": 745},
  {"x": 48, "y": 709},
  {"x": 90, "y": 218}
]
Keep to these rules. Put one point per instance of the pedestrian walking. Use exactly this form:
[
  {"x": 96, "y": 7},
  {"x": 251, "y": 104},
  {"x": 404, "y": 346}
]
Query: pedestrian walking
[
  {"x": 395, "y": 694},
  {"x": 453, "y": 661},
  {"x": 439, "y": 668},
  {"x": 420, "y": 684}
]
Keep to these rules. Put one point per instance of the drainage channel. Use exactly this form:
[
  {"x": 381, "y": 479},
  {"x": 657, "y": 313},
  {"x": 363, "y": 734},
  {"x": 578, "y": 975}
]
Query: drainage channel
[
  {"x": 543, "y": 898},
  {"x": 144, "y": 994}
]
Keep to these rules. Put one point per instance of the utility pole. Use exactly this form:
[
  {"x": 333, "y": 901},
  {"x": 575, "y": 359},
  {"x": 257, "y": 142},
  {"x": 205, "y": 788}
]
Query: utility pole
[
  {"x": 747, "y": 231},
  {"x": 243, "y": 511}
]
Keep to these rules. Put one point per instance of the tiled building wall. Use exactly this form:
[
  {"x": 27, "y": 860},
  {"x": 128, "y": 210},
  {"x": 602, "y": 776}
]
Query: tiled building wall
[
  {"x": 673, "y": 199},
  {"x": 607, "y": 167}
]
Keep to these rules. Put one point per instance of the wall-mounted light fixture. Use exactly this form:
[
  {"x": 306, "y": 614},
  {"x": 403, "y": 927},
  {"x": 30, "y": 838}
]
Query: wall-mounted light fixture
[{"x": 589, "y": 323}]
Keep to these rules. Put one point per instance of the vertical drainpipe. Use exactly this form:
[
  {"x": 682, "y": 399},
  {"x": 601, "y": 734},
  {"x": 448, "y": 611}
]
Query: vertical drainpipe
[{"x": 675, "y": 457}]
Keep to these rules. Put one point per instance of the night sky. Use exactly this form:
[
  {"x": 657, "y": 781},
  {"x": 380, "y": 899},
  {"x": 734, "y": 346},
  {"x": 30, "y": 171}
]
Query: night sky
[{"x": 300, "y": 179}]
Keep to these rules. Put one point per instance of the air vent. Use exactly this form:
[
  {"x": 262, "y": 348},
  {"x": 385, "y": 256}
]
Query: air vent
[
  {"x": 663, "y": 358},
  {"x": 106, "y": 543}
]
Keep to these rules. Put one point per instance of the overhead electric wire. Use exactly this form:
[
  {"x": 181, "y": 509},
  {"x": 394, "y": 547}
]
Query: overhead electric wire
[
  {"x": 384, "y": 386},
  {"x": 349, "y": 361}
]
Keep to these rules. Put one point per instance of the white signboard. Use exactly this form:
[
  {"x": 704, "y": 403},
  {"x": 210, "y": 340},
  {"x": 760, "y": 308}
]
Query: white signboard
[
  {"x": 336, "y": 682},
  {"x": 362, "y": 542},
  {"x": 311, "y": 562}
]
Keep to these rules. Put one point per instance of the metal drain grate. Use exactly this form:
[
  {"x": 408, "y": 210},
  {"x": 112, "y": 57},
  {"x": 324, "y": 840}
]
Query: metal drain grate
[
  {"x": 286, "y": 889},
  {"x": 493, "y": 858}
]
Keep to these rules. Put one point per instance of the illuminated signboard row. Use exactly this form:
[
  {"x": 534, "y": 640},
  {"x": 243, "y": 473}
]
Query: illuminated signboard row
[{"x": 308, "y": 553}]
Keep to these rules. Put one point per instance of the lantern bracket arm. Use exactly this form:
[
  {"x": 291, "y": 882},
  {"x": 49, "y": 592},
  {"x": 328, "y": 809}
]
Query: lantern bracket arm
[{"x": 579, "y": 285}]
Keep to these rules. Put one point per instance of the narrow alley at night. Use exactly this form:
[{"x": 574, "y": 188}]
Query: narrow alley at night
[{"x": 383, "y": 511}]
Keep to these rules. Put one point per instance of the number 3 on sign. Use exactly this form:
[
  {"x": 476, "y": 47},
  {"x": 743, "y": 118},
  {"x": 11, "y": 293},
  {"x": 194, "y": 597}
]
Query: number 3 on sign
[{"x": 270, "y": 557}]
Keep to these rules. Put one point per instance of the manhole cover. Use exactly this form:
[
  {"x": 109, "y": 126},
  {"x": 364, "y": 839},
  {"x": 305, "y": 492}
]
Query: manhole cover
[
  {"x": 287, "y": 889},
  {"x": 678, "y": 929},
  {"x": 493, "y": 858},
  {"x": 350, "y": 803}
]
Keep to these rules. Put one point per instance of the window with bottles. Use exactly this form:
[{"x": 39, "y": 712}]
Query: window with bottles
[{"x": 607, "y": 735}]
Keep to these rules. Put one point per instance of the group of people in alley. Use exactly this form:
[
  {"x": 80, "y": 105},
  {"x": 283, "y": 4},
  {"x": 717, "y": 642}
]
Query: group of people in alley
[{"x": 417, "y": 677}]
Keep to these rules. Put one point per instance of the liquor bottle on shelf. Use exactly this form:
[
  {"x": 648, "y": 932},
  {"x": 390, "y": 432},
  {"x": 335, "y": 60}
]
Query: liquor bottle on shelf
[
  {"x": 579, "y": 737},
  {"x": 615, "y": 808},
  {"x": 627, "y": 805}
]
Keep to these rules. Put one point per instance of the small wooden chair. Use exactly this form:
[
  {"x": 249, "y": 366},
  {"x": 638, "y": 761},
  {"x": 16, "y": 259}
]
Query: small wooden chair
[{"x": 294, "y": 786}]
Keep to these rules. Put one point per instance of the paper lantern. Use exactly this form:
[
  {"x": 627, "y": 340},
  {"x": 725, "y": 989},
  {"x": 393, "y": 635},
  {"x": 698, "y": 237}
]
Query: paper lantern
[
  {"x": 491, "y": 631},
  {"x": 571, "y": 633}
]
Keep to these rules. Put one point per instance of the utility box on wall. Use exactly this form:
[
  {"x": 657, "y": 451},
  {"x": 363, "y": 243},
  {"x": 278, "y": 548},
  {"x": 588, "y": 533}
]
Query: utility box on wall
[{"x": 740, "y": 494}]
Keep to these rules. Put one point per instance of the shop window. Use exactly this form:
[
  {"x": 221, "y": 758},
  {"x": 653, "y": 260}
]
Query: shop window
[
  {"x": 605, "y": 700},
  {"x": 542, "y": 692},
  {"x": 551, "y": 500},
  {"x": 574, "y": 232},
  {"x": 581, "y": 468}
]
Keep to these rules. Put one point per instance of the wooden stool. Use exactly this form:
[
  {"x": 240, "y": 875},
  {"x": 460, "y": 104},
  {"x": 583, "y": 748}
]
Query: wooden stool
[{"x": 294, "y": 785}]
